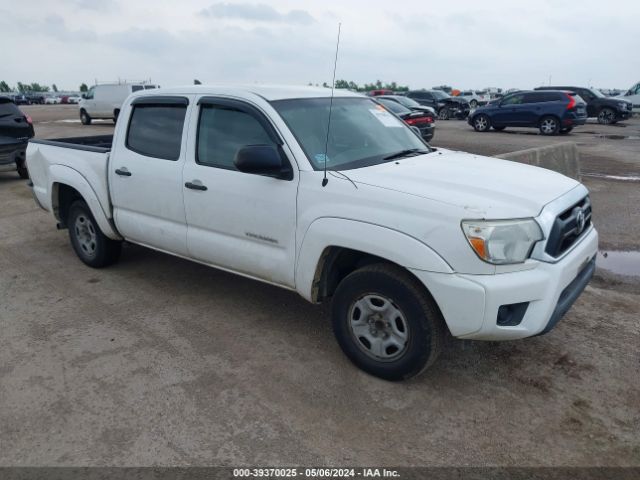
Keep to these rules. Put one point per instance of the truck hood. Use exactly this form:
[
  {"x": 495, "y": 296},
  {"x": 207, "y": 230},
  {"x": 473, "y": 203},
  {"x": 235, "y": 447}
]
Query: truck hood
[{"x": 486, "y": 187}]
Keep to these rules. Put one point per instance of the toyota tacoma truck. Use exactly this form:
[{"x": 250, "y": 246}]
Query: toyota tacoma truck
[{"x": 336, "y": 199}]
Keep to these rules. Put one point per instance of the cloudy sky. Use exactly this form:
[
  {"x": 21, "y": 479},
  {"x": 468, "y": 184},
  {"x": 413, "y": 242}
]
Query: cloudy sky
[{"x": 422, "y": 43}]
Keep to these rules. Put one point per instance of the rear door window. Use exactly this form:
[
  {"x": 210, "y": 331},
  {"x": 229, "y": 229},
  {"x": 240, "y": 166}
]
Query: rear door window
[
  {"x": 155, "y": 130},
  {"x": 540, "y": 97},
  {"x": 517, "y": 99}
]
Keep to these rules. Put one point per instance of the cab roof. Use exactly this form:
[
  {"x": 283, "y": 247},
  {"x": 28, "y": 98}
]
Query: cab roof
[{"x": 268, "y": 92}]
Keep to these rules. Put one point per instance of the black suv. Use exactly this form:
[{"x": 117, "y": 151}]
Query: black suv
[
  {"x": 443, "y": 103},
  {"x": 606, "y": 109},
  {"x": 15, "y": 131}
]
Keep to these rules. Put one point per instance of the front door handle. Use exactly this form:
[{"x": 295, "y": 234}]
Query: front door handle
[
  {"x": 123, "y": 172},
  {"x": 195, "y": 186}
]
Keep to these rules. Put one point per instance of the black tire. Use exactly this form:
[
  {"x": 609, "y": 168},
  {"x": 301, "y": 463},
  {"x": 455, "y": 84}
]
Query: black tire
[
  {"x": 444, "y": 113},
  {"x": 22, "y": 169},
  {"x": 499, "y": 129},
  {"x": 481, "y": 123},
  {"x": 91, "y": 245},
  {"x": 116, "y": 113},
  {"x": 473, "y": 103},
  {"x": 606, "y": 116},
  {"x": 85, "y": 119},
  {"x": 564, "y": 131},
  {"x": 422, "y": 321},
  {"x": 549, "y": 125}
]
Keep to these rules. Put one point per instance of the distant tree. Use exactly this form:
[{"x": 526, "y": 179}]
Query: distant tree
[
  {"x": 197, "y": 82},
  {"x": 83, "y": 87},
  {"x": 32, "y": 87},
  {"x": 4, "y": 87},
  {"x": 54, "y": 87}
]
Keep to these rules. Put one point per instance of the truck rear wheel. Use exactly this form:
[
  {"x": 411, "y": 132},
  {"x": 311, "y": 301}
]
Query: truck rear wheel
[
  {"x": 91, "y": 245},
  {"x": 386, "y": 322}
]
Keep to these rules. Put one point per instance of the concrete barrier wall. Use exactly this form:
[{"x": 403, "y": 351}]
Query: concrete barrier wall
[{"x": 561, "y": 157}]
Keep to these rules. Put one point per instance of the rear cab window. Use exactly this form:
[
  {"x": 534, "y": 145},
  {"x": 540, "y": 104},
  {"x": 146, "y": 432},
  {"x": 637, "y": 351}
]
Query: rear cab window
[{"x": 156, "y": 125}]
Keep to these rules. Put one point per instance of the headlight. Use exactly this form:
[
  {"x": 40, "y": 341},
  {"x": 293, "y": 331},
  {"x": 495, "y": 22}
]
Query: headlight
[
  {"x": 622, "y": 106},
  {"x": 502, "y": 241}
]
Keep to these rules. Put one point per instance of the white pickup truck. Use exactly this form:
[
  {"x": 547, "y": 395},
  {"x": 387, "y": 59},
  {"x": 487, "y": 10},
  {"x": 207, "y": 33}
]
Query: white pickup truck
[{"x": 406, "y": 241}]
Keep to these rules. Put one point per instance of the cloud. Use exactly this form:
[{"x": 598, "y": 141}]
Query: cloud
[
  {"x": 55, "y": 26},
  {"x": 258, "y": 12},
  {"x": 96, "y": 5}
]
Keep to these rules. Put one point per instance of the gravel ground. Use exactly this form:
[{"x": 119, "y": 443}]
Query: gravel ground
[{"x": 160, "y": 361}]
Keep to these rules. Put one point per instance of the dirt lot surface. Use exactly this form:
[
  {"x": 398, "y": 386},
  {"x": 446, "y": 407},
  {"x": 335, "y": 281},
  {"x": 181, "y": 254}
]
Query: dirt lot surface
[{"x": 160, "y": 361}]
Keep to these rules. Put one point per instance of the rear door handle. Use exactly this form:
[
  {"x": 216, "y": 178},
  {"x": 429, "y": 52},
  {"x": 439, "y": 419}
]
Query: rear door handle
[
  {"x": 195, "y": 186},
  {"x": 123, "y": 172}
]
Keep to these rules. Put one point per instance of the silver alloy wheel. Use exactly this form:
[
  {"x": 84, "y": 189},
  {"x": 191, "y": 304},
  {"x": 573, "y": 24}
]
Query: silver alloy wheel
[
  {"x": 606, "y": 116},
  {"x": 481, "y": 123},
  {"x": 443, "y": 114},
  {"x": 85, "y": 234},
  {"x": 473, "y": 103},
  {"x": 548, "y": 125},
  {"x": 378, "y": 327}
]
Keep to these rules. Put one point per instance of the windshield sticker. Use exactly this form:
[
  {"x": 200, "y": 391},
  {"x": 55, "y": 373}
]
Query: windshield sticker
[
  {"x": 385, "y": 118},
  {"x": 320, "y": 158}
]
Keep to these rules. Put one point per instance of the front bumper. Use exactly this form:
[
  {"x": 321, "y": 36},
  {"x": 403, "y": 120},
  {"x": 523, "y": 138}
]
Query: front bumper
[
  {"x": 623, "y": 114},
  {"x": 470, "y": 303}
]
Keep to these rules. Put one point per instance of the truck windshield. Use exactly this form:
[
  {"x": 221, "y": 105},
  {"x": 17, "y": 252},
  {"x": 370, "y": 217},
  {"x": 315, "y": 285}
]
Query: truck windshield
[{"x": 362, "y": 133}]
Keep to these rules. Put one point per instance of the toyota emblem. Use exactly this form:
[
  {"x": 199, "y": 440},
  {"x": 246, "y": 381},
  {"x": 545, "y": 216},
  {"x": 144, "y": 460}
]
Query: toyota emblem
[{"x": 580, "y": 220}]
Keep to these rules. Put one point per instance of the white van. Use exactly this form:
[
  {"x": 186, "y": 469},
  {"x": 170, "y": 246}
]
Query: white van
[
  {"x": 104, "y": 101},
  {"x": 633, "y": 95}
]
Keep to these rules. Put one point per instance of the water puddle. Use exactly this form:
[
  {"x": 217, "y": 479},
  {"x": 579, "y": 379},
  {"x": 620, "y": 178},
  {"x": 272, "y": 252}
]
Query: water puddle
[
  {"x": 624, "y": 178},
  {"x": 619, "y": 262},
  {"x": 618, "y": 137}
]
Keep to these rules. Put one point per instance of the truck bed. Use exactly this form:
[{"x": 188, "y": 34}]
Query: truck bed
[
  {"x": 96, "y": 143},
  {"x": 82, "y": 159}
]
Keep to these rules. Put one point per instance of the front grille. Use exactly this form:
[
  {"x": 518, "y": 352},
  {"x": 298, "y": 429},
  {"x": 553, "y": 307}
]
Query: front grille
[{"x": 566, "y": 229}]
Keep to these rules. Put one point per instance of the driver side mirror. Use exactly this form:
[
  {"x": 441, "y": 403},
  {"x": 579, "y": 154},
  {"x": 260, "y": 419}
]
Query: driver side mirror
[{"x": 263, "y": 160}]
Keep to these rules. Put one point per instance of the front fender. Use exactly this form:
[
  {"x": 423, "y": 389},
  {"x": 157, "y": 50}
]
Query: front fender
[
  {"x": 63, "y": 175},
  {"x": 383, "y": 242}
]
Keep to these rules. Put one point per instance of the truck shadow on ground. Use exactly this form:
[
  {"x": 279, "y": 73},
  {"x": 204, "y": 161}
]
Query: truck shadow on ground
[{"x": 295, "y": 324}]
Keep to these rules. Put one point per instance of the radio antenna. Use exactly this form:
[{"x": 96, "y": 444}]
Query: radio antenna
[{"x": 325, "y": 180}]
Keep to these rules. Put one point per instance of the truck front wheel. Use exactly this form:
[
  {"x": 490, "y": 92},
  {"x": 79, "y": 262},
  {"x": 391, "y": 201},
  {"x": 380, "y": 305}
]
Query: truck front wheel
[
  {"x": 386, "y": 322},
  {"x": 92, "y": 246}
]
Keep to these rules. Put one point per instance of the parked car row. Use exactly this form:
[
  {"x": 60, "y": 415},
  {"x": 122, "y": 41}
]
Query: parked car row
[
  {"x": 42, "y": 99},
  {"x": 551, "y": 109}
]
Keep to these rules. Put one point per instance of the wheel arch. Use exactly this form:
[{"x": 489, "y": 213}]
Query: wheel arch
[
  {"x": 332, "y": 248},
  {"x": 67, "y": 185}
]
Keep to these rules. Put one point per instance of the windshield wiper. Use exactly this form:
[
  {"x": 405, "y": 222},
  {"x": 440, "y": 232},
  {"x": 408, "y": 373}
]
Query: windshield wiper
[{"x": 406, "y": 153}]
